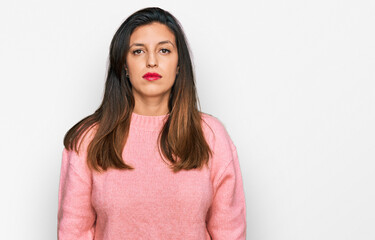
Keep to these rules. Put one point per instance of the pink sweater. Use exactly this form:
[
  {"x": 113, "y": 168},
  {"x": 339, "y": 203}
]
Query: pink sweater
[{"x": 152, "y": 202}]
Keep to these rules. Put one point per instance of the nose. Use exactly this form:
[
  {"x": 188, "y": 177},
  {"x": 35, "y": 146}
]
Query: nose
[{"x": 152, "y": 60}]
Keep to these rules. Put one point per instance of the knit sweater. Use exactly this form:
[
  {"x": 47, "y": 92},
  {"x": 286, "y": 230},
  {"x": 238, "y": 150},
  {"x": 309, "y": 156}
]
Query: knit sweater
[{"x": 152, "y": 202}]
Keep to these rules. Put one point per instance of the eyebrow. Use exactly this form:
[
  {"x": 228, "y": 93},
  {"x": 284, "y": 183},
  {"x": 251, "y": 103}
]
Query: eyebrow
[{"x": 141, "y": 44}]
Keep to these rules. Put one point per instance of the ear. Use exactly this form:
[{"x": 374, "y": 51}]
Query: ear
[{"x": 178, "y": 68}]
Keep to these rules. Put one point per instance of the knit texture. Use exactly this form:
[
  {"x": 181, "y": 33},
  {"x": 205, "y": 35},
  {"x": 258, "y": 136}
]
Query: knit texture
[{"x": 152, "y": 202}]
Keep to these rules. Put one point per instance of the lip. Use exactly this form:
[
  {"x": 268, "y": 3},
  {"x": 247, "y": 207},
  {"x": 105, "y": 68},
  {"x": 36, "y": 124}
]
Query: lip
[{"x": 151, "y": 76}]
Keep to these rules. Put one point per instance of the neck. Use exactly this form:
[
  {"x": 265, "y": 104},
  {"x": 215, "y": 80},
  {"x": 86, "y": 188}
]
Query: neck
[{"x": 151, "y": 106}]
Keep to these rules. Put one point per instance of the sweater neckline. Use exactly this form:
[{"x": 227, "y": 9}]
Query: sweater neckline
[{"x": 150, "y": 123}]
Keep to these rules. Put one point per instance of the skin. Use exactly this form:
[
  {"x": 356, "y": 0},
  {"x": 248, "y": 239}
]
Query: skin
[{"x": 148, "y": 54}]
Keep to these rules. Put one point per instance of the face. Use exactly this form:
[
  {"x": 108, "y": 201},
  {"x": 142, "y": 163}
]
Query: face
[{"x": 152, "y": 51}]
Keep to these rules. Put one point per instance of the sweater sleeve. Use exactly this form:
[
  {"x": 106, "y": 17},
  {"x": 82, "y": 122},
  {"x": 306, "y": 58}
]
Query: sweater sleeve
[
  {"x": 76, "y": 216},
  {"x": 226, "y": 217}
]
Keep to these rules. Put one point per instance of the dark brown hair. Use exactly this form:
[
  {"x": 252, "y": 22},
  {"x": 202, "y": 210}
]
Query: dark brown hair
[{"x": 181, "y": 139}]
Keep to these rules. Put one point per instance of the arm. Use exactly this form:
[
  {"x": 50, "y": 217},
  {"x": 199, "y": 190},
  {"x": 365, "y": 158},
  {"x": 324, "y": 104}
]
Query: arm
[
  {"x": 76, "y": 216},
  {"x": 226, "y": 218}
]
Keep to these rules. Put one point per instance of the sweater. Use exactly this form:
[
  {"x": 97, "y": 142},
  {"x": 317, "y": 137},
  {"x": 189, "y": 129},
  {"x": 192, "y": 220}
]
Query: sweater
[{"x": 152, "y": 202}]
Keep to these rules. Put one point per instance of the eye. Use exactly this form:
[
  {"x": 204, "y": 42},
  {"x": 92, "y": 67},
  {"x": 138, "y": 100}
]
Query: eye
[
  {"x": 137, "y": 51},
  {"x": 164, "y": 50}
]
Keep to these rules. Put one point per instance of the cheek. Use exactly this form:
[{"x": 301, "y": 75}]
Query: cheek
[
  {"x": 172, "y": 66},
  {"x": 134, "y": 66},
  {"x": 134, "y": 63}
]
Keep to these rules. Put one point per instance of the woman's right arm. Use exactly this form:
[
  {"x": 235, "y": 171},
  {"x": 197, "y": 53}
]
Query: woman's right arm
[{"x": 76, "y": 216}]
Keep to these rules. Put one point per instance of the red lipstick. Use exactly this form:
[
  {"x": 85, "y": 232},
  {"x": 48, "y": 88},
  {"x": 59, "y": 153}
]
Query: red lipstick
[{"x": 151, "y": 76}]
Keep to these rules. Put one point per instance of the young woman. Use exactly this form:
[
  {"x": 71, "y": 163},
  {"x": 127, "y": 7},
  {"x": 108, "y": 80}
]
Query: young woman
[{"x": 148, "y": 164}]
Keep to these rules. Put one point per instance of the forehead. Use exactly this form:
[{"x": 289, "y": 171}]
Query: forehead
[{"x": 152, "y": 33}]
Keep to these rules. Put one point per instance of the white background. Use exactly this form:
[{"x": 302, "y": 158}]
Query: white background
[{"x": 292, "y": 81}]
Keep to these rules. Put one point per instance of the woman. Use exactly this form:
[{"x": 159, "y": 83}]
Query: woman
[{"x": 147, "y": 164}]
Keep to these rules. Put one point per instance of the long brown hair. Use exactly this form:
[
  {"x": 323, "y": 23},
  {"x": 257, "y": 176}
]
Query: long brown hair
[{"x": 181, "y": 139}]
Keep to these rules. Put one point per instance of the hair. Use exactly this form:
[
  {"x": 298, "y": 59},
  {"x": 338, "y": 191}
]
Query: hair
[{"x": 181, "y": 138}]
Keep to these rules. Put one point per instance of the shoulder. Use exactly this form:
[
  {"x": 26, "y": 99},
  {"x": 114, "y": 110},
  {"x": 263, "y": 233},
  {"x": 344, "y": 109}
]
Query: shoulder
[
  {"x": 86, "y": 137},
  {"x": 224, "y": 152},
  {"x": 77, "y": 160},
  {"x": 77, "y": 146},
  {"x": 212, "y": 122},
  {"x": 216, "y": 132}
]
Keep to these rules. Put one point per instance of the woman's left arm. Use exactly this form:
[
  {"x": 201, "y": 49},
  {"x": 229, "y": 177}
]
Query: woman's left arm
[{"x": 226, "y": 218}]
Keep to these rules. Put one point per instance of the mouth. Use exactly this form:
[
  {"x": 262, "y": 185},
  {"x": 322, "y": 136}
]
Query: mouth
[{"x": 151, "y": 76}]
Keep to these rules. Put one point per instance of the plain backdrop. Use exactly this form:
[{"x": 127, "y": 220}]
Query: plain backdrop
[{"x": 292, "y": 81}]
